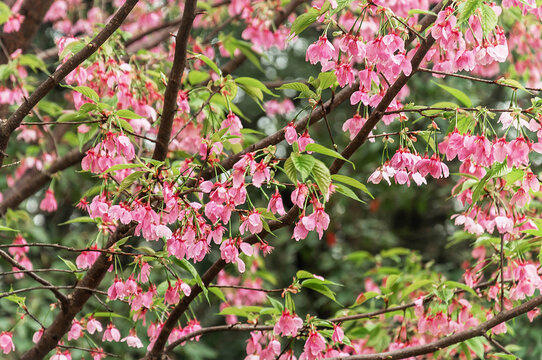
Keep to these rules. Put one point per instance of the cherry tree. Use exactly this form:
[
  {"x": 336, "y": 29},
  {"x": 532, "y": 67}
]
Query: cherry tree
[{"x": 139, "y": 106}]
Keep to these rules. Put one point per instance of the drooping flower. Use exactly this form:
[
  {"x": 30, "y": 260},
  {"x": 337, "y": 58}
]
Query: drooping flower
[
  {"x": 49, "y": 202},
  {"x": 288, "y": 324},
  {"x": 6, "y": 342}
]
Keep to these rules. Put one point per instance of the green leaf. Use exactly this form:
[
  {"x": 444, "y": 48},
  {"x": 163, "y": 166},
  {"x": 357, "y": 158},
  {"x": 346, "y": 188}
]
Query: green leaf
[
  {"x": 364, "y": 297},
  {"x": 19, "y": 300},
  {"x": 209, "y": 63},
  {"x": 5, "y": 228},
  {"x": 488, "y": 19},
  {"x": 477, "y": 345},
  {"x": 458, "y": 94},
  {"x": 513, "y": 83},
  {"x": 412, "y": 12},
  {"x": 69, "y": 264},
  {"x": 341, "y": 4},
  {"x": 82, "y": 219},
  {"x": 351, "y": 182},
  {"x": 195, "y": 76},
  {"x": 468, "y": 9},
  {"x": 107, "y": 315},
  {"x": 415, "y": 286},
  {"x": 130, "y": 179},
  {"x": 346, "y": 191},
  {"x": 192, "y": 270},
  {"x": 303, "y": 21},
  {"x": 72, "y": 48},
  {"x": 320, "y": 149},
  {"x": 303, "y": 164},
  {"x": 240, "y": 311},
  {"x": 122, "y": 167},
  {"x": 32, "y": 61},
  {"x": 5, "y": 13},
  {"x": 88, "y": 92},
  {"x": 327, "y": 79},
  {"x": 303, "y": 274},
  {"x": 276, "y": 304},
  {"x": 478, "y": 190},
  {"x": 218, "y": 293},
  {"x": 505, "y": 356},
  {"x": 251, "y": 82},
  {"x": 321, "y": 175},
  {"x": 455, "y": 284},
  {"x": 322, "y": 289},
  {"x": 295, "y": 86},
  {"x": 440, "y": 104},
  {"x": 128, "y": 114}
]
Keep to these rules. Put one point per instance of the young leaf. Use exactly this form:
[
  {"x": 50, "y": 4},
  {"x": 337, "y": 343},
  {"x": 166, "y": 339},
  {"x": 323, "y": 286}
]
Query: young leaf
[
  {"x": 251, "y": 82},
  {"x": 458, "y": 94},
  {"x": 327, "y": 79},
  {"x": 295, "y": 86},
  {"x": 351, "y": 182},
  {"x": 130, "y": 179},
  {"x": 321, "y": 175},
  {"x": 304, "y": 21},
  {"x": 128, "y": 114},
  {"x": 317, "y": 148},
  {"x": 303, "y": 164},
  {"x": 489, "y": 19},
  {"x": 346, "y": 191},
  {"x": 468, "y": 9}
]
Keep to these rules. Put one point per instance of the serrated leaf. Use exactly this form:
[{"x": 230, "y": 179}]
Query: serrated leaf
[
  {"x": 303, "y": 274},
  {"x": 218, "y": 293},
  {"x": 122, "y": 167},
  {"x": 458, "y": 94},
  {"x": 209, "y": 63},
  {"x": 240, "y": 311},
  {"x": 251, "y": 82},
  {"x": 320, "y": 149},
  {"x": 346, "y": 191},
  {"x": 295, "y": 86},
  {"x": 192, "y": 270},
  {"x": 421, "y": 12},
  {"x": 88, "y": 92},
  {"x": 276, "y": 304},
  {"x": 303, "y": 21},
  {"x": 415, "y": 286},
  {"x": 341, "y": 4},
  {"x": 364, "y": 297},
  {"x": 108, "y": 315},
  {"x": 130, "y": 179},
  {"x": 488, "y": 19},
  {"x": 322, "y": 289},
  {"x": 5, "y": 228},
  {"x": 5, "y": 13},
  {"x": 455, "y": 284},
  {"x": 19, "y": 300},
  {"x": 82, "y": 219},
  {"x": 513, "y": 83},
  {"x": 351, "y": 182},
  {"x": 303, "y": 164},
  {"x": 476, "y": 345},
  {"x": 69, "y": 264},
  {"x": 128, "y": 114},
  {"x": 326, "y": 79},
  {"x": 321, "y": 175},
  {"x": 468, "y": 9}
]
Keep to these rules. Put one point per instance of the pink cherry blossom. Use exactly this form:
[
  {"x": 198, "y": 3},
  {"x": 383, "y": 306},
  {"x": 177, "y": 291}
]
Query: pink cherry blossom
[
  {"x": 6, "y": 342},
  {"x": 288, "y": 324},
  {"x": 49, "y": 202},
  {"x": 111, "y": 333}
]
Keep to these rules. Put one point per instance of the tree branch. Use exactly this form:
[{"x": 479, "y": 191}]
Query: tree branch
[
  {"x": 174, "y": 81},
  {"x": 61, "y": 297},
  {"x": 476, "y": 331},
  {"x": 9, "y": 125}
]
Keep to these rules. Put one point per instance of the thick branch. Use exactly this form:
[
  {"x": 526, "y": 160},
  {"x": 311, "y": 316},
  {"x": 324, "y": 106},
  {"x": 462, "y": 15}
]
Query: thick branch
[
  {"x": 174, "y": 81},
  {"x": 43, "y": 89},
  {"x": 479, "y": 330},
  {"x": 33, "y": 180}
]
